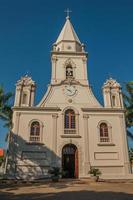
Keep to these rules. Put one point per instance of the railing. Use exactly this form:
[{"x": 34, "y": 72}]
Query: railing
[
  {"x": 34, "y": 139},
  {"x": 104, "y": 139},
  {"x": 70, "y": 131}
]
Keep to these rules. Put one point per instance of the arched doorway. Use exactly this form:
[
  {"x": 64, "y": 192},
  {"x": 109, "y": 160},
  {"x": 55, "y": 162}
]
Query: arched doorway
[{"x": 70, "y": 161}]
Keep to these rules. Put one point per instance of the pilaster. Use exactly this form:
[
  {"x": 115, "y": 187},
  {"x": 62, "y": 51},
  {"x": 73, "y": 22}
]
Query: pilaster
[
  {"x": 54, "y": 139},
  {"x": 16, "y": 122},
  {"x": 85, "y": 67},
  {"x": 125, "y": 146},
  {"x": 54, "y": 61},
  {"x": 121, "y": 99},
  {"x": 18, "y": 96},
  {"x": 32, "y": 97},
  {"x": 86, "y": 145}
]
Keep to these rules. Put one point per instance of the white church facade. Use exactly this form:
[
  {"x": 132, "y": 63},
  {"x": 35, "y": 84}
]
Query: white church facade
[{"x": 69, "y": 128}]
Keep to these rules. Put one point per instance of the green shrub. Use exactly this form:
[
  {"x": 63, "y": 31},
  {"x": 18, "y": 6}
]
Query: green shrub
[{"x": 95, "y": 171}]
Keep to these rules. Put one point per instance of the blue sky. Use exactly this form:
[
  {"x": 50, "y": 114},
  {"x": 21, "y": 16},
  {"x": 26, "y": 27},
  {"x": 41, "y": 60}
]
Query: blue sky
[{"x": 29, "y": 27}]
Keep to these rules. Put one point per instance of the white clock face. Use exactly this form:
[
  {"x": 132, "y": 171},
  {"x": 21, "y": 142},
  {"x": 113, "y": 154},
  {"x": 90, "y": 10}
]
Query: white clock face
[{"x": 70, "y": 90}]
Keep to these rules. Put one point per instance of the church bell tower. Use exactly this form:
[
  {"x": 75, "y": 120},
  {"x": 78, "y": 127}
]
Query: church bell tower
[
  {"x": 25, "y": 92},
  {"x": 69, "y": 59},
  {"x": 112, "y": 94}
]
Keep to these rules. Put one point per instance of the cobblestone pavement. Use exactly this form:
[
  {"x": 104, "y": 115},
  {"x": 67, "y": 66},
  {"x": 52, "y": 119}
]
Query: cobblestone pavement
[{"x": 67, "y": 190}]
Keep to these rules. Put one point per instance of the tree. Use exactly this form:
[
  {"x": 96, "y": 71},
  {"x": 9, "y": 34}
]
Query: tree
[
  {"x": 5, "y": 107},
  {"x": 131, "y": 156},
  {"x": 128, "y": 103}
]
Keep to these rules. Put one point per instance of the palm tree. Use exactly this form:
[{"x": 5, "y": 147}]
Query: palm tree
[
  {"x": 128, "y": 103},
  {"x": 131, "y": 157},
  {"x": 6, "y": 115},
  {"x": 5, "y": 107}
]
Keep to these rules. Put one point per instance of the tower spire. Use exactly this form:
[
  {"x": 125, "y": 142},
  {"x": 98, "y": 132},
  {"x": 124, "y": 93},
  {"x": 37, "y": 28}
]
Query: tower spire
[{"x": 68, "y": 33}]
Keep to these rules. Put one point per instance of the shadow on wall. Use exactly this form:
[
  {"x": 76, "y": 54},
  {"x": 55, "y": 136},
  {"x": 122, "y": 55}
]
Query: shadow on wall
[
  {"x": 29, "y": 160},
  {"x": 78, "y": 195}
]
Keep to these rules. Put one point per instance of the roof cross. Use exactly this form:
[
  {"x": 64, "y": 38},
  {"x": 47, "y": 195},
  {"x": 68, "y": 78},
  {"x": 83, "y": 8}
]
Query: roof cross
[{"x": 67, "y": 11}]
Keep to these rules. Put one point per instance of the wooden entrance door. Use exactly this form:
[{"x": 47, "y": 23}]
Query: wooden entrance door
[{"x": 70, "y": 161}]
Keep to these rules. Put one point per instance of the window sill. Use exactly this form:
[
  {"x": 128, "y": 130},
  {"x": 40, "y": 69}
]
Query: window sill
[
  {"x": 70, "y": 136},
  {"x": 34, "y": 143},
  {"x": 106, "y": 144}
]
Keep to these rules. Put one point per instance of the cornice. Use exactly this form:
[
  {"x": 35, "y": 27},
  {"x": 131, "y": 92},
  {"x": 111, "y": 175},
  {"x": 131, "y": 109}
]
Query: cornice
[
  {"x": 112, "y": 110},
  {"x": 70, "y": 136},
  {"x": 69, "y": 53},
  {"x": 18, "y": 108},
  {"x": 66, "y": 82},
  {"x": 68, "y": 42}
]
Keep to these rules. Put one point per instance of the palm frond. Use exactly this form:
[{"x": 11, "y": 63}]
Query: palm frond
[
  {"x": 128, "y": 103},
  {"x": 129, "y": 134},
  {"x": 5, "y": 107}
]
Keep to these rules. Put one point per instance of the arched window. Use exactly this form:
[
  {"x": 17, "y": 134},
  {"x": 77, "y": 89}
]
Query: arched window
[
  {"x": 104, "y": 132},
  {"x": 35, "y": 131},
  {"x": 113, "y": 101},
  {"x": 24, "y": 98},
  {"x": 69, "y": 122},
  {"x": 69, "y": 72}
]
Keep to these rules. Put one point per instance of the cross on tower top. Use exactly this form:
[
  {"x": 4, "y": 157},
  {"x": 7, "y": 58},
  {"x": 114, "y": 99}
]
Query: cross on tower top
[{"x": 67, "y": 11}]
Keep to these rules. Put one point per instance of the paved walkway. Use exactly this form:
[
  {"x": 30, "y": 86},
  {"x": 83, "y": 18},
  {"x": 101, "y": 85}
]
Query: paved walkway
[{"x": 67, "y": 190}]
